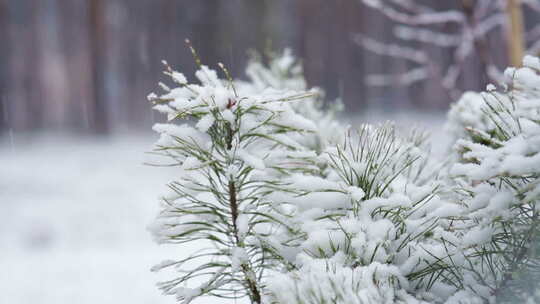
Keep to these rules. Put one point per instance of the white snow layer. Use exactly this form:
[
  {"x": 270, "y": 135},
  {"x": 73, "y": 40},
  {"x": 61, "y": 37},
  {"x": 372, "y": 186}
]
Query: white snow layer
[{"x": 74, "y": 216}]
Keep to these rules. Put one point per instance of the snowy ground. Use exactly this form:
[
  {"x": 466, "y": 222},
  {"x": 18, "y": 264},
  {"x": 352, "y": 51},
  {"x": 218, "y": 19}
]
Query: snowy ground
[{"x": 74, "y": 215}]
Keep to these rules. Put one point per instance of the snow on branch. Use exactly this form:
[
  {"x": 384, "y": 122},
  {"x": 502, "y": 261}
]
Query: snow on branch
[
  {"x": 496, "y": 135},
  {"x": 412, "y": 6},
  {"x": 391, "y": 50},
  {"x": 416, "y": 19},
  {"x": 405, "y": 79},
  {"x": 286, "y": 205},
  {"x": 426, "y": 36}
]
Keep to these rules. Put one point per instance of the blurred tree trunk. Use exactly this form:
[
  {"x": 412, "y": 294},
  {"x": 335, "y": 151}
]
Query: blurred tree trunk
[
  {"x": 98, "y": 121},
  {"x": 258, "y": 11},
  {"x": 205, "y": 31},
  {"x": 74, "y": 45},
  {"x": 54, "y": 81},
  {"x": 516, "y": 41},
  {"x": 4, "y": 63},
  {"x": 479, "y": 69},
  {"x": 24, "y": 98},
  {"x": 330, "y": 58}
]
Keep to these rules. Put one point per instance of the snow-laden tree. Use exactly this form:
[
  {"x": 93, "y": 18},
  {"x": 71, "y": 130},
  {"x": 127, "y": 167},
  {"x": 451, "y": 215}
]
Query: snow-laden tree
[
  {"x": 231, "y": 154},
  {"x": 370, "y": 228},
  {"x": 285, "y": 72},
  {"x": 290, "y": 206},
  {"x": 497, "y": 174}
]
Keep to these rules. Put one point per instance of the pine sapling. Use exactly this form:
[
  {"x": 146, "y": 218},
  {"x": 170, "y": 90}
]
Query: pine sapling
[{"x": 230, "y": 155}]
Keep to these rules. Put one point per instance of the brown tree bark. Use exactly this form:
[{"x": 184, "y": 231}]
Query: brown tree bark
[
  {"x": 330, "y": 58},
  {"x": 97, "y": 113},
  {"x": 516, "y": 41}
]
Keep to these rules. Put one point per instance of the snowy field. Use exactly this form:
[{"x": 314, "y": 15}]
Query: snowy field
[
  {"x": 74, "y": 220},
  {"x": 74, "y": 216}
]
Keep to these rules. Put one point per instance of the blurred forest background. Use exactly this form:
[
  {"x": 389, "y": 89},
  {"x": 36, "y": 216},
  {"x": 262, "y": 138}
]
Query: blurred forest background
[{"x": 87, "y": 65}]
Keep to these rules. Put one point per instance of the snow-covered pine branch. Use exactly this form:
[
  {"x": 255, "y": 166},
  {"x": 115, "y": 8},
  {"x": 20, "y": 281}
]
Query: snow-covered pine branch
[
  {"x": 497, "y": 173},
  {"x": 295, "y": 208},
  {"x": 284, "y": 72},
  {"x": 230, "y": 152},
  {"x": 368, "y": 228}
]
